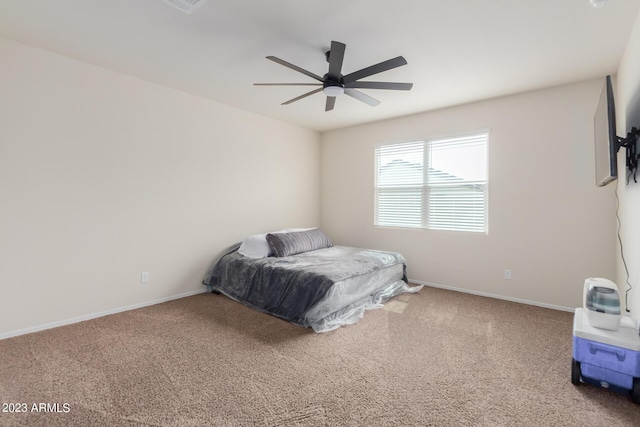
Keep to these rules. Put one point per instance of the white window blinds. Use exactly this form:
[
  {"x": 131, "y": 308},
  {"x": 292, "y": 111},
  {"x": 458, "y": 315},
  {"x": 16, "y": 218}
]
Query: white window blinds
[
  {"x": 399, "y": 184},
  {"x": 448, "y": 194}
]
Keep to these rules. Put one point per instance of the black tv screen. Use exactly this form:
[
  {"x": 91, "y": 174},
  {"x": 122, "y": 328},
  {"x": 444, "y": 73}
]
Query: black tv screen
[{"x": 606, "y": 139}]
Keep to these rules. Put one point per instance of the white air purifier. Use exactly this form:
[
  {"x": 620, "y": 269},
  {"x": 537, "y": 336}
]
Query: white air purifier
[{"x": 602, "y": 303}]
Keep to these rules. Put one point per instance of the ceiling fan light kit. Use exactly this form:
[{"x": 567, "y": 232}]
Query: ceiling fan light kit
[
  {"x": 333, "y": 90},
  {"x": 334, "y": 83}
]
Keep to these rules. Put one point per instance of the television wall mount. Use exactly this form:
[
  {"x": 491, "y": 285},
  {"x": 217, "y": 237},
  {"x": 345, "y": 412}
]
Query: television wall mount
[{"x": 629, "y": 143}]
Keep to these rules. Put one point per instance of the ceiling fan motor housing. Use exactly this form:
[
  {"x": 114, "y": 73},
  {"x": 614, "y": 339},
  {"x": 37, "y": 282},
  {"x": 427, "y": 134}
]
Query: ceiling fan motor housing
[{"x": 331, "y": 87}]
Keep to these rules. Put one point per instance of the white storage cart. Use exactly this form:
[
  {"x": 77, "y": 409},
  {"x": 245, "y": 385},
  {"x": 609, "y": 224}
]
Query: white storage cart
[{"x": 606, "y": 358}]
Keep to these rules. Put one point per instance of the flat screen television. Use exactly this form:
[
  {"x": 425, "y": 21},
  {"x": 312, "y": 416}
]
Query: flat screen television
[{"x": 605, "y": 136}]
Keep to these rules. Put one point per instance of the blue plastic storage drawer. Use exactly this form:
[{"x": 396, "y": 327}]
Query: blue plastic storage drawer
[
  {"x": 603, "y": 362},
  {"x": 606, "y": 358}
]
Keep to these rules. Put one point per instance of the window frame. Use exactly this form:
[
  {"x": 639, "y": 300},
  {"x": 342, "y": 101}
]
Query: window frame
[{"x": 427, "y": 186}]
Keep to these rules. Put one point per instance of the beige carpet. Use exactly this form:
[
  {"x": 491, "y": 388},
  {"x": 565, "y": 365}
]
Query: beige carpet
[{"x": 434, "y": 358}]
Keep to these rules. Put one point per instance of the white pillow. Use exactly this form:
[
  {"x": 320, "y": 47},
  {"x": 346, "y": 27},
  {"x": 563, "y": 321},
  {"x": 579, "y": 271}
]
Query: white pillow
[{"x": 256, "y": 246}]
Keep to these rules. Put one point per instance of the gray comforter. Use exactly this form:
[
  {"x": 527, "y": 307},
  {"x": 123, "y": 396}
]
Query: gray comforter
[{"x": 288, "y": 287}]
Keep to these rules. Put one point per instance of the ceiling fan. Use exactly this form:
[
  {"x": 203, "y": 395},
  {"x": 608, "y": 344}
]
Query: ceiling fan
[{"x": 335, "y": 84}]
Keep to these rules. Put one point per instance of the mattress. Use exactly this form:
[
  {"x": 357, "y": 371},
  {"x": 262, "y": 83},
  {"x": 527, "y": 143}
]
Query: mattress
[{"x": 321, "y": 289}]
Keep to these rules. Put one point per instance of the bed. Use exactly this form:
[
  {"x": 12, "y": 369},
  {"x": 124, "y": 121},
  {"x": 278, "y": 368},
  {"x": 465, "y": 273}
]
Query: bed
[{"x": 300, "y": 276}]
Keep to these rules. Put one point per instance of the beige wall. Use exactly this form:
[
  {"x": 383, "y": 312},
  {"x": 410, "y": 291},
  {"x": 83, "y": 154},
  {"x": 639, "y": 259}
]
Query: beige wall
[
  {"x": 548, "y": 222},
  {"x": 628, "y": 115},
  {"x": 104, "y": 176}
]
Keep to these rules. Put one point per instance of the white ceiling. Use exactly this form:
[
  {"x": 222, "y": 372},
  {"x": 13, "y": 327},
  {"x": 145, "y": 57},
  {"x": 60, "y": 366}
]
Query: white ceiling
[{"x": 458, "y": 51}]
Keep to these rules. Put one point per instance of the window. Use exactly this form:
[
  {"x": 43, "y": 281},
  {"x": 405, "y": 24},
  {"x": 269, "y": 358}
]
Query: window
[{"x": 438, "y": 184}]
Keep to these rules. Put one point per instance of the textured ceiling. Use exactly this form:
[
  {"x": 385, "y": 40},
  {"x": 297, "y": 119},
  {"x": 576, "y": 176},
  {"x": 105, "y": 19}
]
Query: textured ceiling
[{"x": 457, "y": 51}]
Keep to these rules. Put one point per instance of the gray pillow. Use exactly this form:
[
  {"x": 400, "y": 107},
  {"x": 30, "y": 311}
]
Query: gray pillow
[{"x": 285, "y": 244}]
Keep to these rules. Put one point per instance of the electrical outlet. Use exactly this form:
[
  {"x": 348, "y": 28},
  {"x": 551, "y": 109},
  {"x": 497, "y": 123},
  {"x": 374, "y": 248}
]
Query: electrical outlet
[
  {"x": 507, "y": 274},
  {"x": 144, "y": 277}
]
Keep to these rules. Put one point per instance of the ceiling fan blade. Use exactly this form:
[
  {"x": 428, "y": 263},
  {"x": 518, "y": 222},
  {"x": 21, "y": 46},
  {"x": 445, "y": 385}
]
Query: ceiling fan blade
[
  {"x": 336, "y": 56},
  {"x": 374, "y": 69},
  {"x": 295, "y": 67},
  {"x": 361, "y": 97},
  {"x": 302, "y": 96},
  {"x": 287, "y": 84},
  {"x": 379, "y": 85},
  {"x": 331, "y": 102}
]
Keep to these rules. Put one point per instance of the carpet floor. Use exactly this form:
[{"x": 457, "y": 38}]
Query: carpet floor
[{"x": 436, "y": 358}]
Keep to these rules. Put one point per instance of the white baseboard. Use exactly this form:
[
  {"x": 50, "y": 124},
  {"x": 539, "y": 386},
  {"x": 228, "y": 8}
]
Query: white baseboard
[
  {"x": 502, "y": 297},
  {"x": 94, "y": 315}
]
